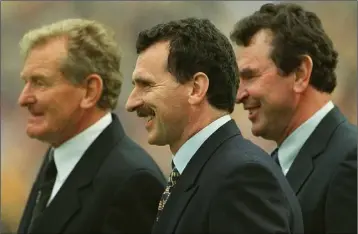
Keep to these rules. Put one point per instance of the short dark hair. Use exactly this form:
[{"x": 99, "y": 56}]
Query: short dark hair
[
  {"x": 296, "y": 33},
  {"x": 196, "y": 45}
]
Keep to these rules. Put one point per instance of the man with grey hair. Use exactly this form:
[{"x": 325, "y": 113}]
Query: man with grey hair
[{"x": 94, "y": 178}]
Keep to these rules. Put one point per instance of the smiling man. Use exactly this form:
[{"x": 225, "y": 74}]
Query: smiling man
[
  {"x": 287, "y": 75},
  {"x": 94, "y": 179},
  {"x": 185, "y": 83}
]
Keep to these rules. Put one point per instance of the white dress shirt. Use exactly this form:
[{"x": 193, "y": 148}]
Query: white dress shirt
[
  {"x": 68, "y": 154},
  {"x": 291, "y": 146},
  {"x": 189, "y": 148}
]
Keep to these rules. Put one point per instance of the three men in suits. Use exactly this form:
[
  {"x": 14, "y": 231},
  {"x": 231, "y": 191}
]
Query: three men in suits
[
  {"x": 185, "y": 83},
  {"x": 287, "y": 74},
  {"x": 94, "y": 178}
]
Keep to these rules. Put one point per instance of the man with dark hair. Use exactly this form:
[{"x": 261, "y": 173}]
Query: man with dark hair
[
  {"x": 287, "y": 74},
  {"x": 185, "y": 84}
]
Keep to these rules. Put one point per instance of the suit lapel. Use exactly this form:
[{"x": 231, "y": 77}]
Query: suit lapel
[
  {"x": 187, "y": 185},
  {"x": 67, "y": 201},
  {"x": 302, "y": 166}
]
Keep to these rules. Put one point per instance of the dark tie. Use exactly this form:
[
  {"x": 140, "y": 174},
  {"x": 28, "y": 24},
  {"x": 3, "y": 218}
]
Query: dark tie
[
  {"x": 45, "y": 189},
  {"x": 173, "y": 178},
  {"x": 274, "y": 156}
]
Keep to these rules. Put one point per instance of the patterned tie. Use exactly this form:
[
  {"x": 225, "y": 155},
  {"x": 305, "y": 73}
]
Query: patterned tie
[
  {"x": 173, "y": 178},
  {"x": 274, "y": 156},
  {"x": 45, "y": 189}
]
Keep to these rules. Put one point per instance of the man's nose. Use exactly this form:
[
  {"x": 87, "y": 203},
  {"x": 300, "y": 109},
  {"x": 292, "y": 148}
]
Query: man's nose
[
  {"x": 134, "y": 101},
  {"x": 26, "y": 96},
  {"x": 241, "y": 94}
]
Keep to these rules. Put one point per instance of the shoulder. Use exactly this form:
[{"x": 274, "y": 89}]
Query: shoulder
[
  {"x": 336, "y": 126},
  {"x": 238, "y": 151},
  {"x": 346, "y": 132},
  {"x": 126, "y": 159},
  {"x": 343, "y": 142},
  {"x": 238, "y": 156}
]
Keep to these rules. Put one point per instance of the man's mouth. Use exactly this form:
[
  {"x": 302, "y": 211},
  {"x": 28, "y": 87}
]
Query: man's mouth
[
  {"x": 150, "y": 121},
  {"x": 252, "y": 111},
  {"x": 149, "y": 118},
  {"x": 36, "y": 114},
  {"x": 35, "y": 117},
  {"x": 148, "y": 114}
]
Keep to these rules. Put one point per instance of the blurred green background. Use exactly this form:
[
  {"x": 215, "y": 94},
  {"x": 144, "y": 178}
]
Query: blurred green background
[{"x": 21, "y": 157}]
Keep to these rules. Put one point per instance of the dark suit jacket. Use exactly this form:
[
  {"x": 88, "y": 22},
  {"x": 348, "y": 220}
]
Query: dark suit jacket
[
  {"x": 114, "y": 188},
  {"x": 324, "y": 177},
  {"x": 231, "y": 186}
]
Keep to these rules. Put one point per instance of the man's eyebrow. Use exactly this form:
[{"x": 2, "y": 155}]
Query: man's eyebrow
[
  {"x": 32, "y": 77},
  {"x": 141, "y": 80},
  {"x": 248, "y": 72}
]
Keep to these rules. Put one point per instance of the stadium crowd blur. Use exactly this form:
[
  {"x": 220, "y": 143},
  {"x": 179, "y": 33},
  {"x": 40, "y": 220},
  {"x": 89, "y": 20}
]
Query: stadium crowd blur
[{"x": 21, "y": 156}]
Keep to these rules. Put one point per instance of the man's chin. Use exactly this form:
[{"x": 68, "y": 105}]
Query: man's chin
[
  {"x": 256, "y": 130},
  {"x": 36, "y": 134},
  {"x": 154, "y": 140},
  {"x": 157, "y": 143},
  {"x": 261, "y": 132}
]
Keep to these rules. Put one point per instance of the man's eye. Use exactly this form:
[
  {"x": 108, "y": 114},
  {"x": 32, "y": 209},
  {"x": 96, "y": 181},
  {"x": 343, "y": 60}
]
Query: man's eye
[
  {"x": 145, "y": 84},
  {"x": 38, "y": 82},
  {"x": 247, "y": 77}
]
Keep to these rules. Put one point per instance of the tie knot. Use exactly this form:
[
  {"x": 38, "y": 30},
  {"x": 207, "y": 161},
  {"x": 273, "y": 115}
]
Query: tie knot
[
  {"x": 173, "y": 165},
  {"x": 174, "y": 176},
  {"x": 274, "y": 153},
  {"x": 50, "y": 169},
  {"x": 274, "y": 156}
]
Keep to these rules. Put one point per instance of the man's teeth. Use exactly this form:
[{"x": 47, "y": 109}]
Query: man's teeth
[{"x": 149, "y": 118}]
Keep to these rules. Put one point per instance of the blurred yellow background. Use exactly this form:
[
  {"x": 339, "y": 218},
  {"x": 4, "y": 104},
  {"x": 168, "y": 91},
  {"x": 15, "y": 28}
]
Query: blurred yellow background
[{"x": 21, "y": 157}]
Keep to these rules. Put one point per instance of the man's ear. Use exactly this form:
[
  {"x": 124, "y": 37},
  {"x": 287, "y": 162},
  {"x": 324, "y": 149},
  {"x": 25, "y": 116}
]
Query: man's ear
[
  {"x": 303, "y": 74},
  {"x": 200, "y": 85},
  {"x": 93, "y": 86}
]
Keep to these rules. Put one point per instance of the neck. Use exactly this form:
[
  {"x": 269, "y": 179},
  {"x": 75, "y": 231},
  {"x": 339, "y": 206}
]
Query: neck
[
  {"x": 311, "y": 102},
  {"x": 75, "y": 127},
  {"x": 197, "y": 121}
]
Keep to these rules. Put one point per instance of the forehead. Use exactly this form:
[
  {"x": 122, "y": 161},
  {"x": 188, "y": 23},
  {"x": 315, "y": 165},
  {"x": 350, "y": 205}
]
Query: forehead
[
  {"x": 45, "y": 58},
  {"x": 257, "y": 53},
  {"x": 152, "y": 61}
]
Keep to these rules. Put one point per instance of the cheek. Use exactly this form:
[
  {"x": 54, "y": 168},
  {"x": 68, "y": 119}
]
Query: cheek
[
  {"x": 63, "y": 105},
  {"x": 269, "y": 90},
  {"x": 172, "y": 109},
  {"x": 57, "y": 114},
  {"x": 283, "y": 93},
  {"x": 259, "y": 91},
  {"x": 279, "y": 105},
  {"x": 165, "y": 101}
]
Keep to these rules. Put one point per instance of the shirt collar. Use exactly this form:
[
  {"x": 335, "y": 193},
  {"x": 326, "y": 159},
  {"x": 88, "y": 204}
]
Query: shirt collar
[
  {"x": 189, "y": 148},
  {"x": 291, "y": 146},
  {"x": 69, "y": 153}
]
